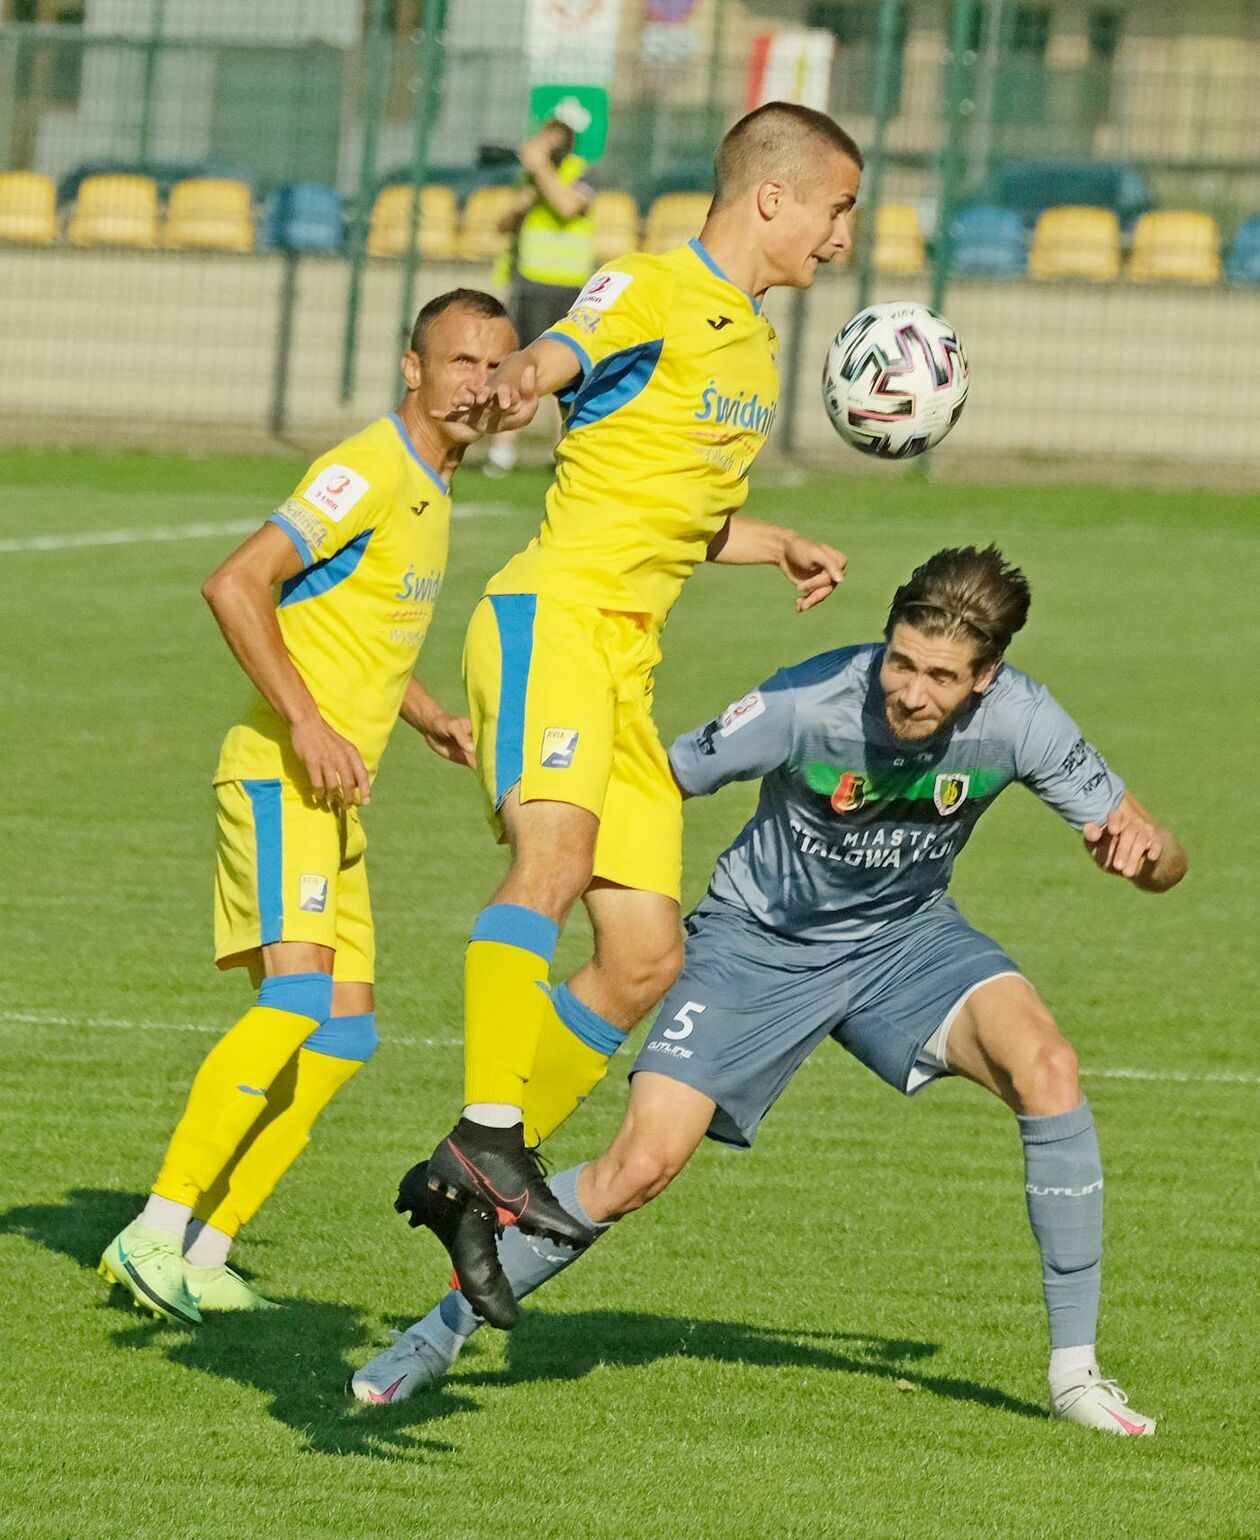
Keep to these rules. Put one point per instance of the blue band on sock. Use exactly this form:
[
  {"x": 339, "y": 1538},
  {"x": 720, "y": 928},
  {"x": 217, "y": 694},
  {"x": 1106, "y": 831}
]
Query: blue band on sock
[
  {"x": 304, "y": 994},
  {"x": 586, "y": 1024},
  {"x": 1060, "y": 1125},
  {"x": 345, "y": 1037},
  {"x": 515, "y": 925}
]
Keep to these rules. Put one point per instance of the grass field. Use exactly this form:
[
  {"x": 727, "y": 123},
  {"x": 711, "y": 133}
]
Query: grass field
[{"x": 839, "y": 1334}]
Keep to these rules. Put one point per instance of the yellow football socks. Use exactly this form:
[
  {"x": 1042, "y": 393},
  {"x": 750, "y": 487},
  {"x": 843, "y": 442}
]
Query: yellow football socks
[
  {"x": 229, "y": 1093},
  {"x": 572, "y": 1058},
  {"x": 505, "y": 998},
  {"x": 330, "y": 1057}
]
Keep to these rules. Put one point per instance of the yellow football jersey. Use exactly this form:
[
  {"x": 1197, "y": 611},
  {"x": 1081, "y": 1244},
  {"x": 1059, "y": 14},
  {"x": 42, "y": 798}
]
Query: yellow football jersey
[
  {"x": 677, "y": 395},
  {"x": 372, "y": 522}
]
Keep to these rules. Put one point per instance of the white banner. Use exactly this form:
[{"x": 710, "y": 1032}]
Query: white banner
[
  {"x": 573, "y": 40},
  {"x": 791, "y": 67}
]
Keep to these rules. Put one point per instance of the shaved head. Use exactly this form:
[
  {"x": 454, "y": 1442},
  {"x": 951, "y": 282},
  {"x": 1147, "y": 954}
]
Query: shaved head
[{"x": 778, "y": 142}]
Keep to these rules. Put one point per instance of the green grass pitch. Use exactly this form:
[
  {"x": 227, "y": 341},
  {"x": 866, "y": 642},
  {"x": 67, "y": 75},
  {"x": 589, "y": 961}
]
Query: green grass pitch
[{"x": 839, "y": 1334}]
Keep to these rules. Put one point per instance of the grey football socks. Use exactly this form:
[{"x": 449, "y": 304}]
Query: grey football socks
[
  {"x": 1063, "y": 1182},
  {"x": 527, "y": 1260}
]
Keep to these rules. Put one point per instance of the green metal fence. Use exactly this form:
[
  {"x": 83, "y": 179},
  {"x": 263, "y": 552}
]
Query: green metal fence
[{"x": 1107, "y": 336}]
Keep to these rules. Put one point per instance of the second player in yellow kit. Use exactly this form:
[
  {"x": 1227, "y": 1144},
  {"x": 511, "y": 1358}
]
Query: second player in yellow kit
[
  {"x": 326, "y": 608},
  {"x": 665, "y": 369}
]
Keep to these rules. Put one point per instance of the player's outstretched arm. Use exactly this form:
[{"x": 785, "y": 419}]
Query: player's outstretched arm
[
  {"x": 240, "y": 595},
  {"x": 814, "y": 569},
  {"x": 510, "y": 397},
  {"x": 1131, "y": 844},
  {"x": 449, "y": 736}
]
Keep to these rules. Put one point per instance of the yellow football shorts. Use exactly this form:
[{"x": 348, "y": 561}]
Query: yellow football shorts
[
  {"x": 290, "y": 870},
  {"x": 561, "y": 701}
]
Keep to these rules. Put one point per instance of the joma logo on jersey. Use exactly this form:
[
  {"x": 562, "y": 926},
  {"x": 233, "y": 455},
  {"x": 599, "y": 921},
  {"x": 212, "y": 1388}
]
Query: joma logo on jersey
[
  {"x": 737, "y": 411},
  {"x": 850, "y": 793},
  {"x": 950, "y": 792}
]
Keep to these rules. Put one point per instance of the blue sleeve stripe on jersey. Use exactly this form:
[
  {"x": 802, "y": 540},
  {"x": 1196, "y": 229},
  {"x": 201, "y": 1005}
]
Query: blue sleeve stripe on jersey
[
  {"x": 579, "y": 352},
  {"x": 612, "y": 383},
  {"x": 294, "y": 534},
  {"x": 438, "y": 482},
  {"x": 514, "y": 615},
  {"x": 326, "y": 574},
  {"x": 264, "y": 797}
]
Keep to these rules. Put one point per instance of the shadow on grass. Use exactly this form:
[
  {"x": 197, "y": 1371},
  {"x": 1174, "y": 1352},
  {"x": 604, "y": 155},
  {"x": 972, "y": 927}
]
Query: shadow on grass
[{"x": 298, "y": 1357}]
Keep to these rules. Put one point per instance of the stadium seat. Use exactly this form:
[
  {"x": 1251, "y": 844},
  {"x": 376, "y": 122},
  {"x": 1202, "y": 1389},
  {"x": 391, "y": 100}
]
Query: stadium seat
[
  {"x": 391, "y": 222},
  {"x": 1175, "y": 246},
  {"x": 304, "y": 217},
  {"x": 115, "y": 211},
  {"x": 1244, "y": 258},
  {"x": 898, "y": 239},
  {"x": 210, "y": 214},
  {"x": 1076, "y": 242},
  {"x": 989, "y": 240},
  {"x": 480, "y": 239},
  {"x": 674, "y": 218},
  {"x": 616, "y": 225},
  {"x": 28, "y": 207}
]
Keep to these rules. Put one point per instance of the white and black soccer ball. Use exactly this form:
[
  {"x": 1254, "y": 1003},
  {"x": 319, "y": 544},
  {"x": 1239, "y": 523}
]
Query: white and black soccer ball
[{"x": 895, "y": 380}]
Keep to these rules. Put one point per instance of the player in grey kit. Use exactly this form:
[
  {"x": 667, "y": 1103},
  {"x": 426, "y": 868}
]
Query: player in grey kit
[{"x": 828, "y": 916}]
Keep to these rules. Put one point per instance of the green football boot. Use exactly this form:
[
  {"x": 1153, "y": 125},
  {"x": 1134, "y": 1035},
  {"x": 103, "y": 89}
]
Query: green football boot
[
  {"x": 149, "y": 1264},
  {"x": 219, "y": 1288}
]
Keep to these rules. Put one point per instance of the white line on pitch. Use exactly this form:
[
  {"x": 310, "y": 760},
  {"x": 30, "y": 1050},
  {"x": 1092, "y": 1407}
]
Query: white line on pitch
[
  {"x": 126, "y": 1024},
  {"x": 156, "y": 533}
]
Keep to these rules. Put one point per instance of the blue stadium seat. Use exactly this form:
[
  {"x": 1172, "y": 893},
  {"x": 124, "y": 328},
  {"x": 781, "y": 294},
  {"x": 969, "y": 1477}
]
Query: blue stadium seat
[
  {"x": 305, "y": 216},
  {"x": 989, "y": 240},
  {"x": 1244, "y": 259}
]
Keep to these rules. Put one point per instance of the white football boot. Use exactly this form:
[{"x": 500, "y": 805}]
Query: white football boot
[
  {"x": 413, "y": 1361},
  {"x": 1098, "y": 1403}
]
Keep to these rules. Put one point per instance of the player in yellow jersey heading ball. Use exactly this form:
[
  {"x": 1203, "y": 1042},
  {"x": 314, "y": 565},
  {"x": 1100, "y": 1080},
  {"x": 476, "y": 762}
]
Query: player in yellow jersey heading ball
[
  {"x": 357, "y": 555},
  {"x": 665, "y": 368}
]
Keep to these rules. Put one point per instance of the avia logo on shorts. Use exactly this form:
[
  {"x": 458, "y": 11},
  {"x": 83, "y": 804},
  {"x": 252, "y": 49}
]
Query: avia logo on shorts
[
  {"x": 312, "y": 892},
  {"x": 335, "y": 491},
  {"x": 950, "y": 792},
  {"x": 559, "y": 744},
  {"x": 737, "y": 411},
  {"x": 850, "y": 793}
]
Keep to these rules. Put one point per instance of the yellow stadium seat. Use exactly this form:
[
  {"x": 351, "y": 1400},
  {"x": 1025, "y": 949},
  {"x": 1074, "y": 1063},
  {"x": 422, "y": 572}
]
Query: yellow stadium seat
[
  {"x": 28, "y": 207},
  {"x": 210, "y": 214},
  {"x": 391, "y": 222},
  {"x": 480, "y": 239},
  {"x": 616, "y": 225},
  {"x": 898, "y": 239},
  {"x": 1176, "y": 247},
  {"x": 1075, "y": 242},
  {"x": 115, "y": 211},
  {"x": 673, "y": 219}
]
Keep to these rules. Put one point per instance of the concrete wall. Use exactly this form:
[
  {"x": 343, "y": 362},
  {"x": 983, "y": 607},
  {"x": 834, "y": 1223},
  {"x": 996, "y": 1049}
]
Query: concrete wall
[{"x": 114, "y": 345}]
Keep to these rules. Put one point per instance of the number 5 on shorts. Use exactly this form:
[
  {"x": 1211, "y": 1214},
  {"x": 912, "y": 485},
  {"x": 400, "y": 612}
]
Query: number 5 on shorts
[{"x": 684, "y": 1015}]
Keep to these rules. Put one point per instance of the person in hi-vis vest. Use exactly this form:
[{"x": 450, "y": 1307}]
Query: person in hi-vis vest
[{"x": 552, "y": 250}]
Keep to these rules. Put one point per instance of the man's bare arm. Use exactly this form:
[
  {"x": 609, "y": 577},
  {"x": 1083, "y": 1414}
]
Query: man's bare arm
[
  {"x": 816, "y": 570},
  {"x": 510, "y": 397},
  {"x": 449, "y": 736},
  {"x": 240, "y": 594},
  {"x": 1131, "y": 844}
]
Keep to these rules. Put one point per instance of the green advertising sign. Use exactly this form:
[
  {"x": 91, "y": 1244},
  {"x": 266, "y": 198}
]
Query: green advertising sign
[{"x": 584, "y": 108}]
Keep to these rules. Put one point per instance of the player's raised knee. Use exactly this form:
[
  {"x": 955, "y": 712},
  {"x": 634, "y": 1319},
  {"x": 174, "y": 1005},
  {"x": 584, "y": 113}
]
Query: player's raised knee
[{"x": 1049, "y": 1082}]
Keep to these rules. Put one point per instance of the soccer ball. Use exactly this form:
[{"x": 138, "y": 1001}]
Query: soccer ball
[{"x": 895, "y": 380}]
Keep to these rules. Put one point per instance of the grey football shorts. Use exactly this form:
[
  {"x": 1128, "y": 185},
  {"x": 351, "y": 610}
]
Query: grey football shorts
[{"x": 750, "y": 1006}]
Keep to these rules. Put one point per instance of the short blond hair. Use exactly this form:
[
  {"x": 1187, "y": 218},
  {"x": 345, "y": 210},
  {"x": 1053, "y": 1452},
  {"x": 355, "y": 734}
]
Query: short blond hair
[{"x": 779, "y": 140}]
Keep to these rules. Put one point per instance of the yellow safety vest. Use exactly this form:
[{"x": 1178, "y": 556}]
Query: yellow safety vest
[{"x": 554, "y": 250}]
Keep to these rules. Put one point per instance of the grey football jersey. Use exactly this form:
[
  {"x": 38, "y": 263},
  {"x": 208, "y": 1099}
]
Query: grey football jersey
[{"x": 855, "y": 829}]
